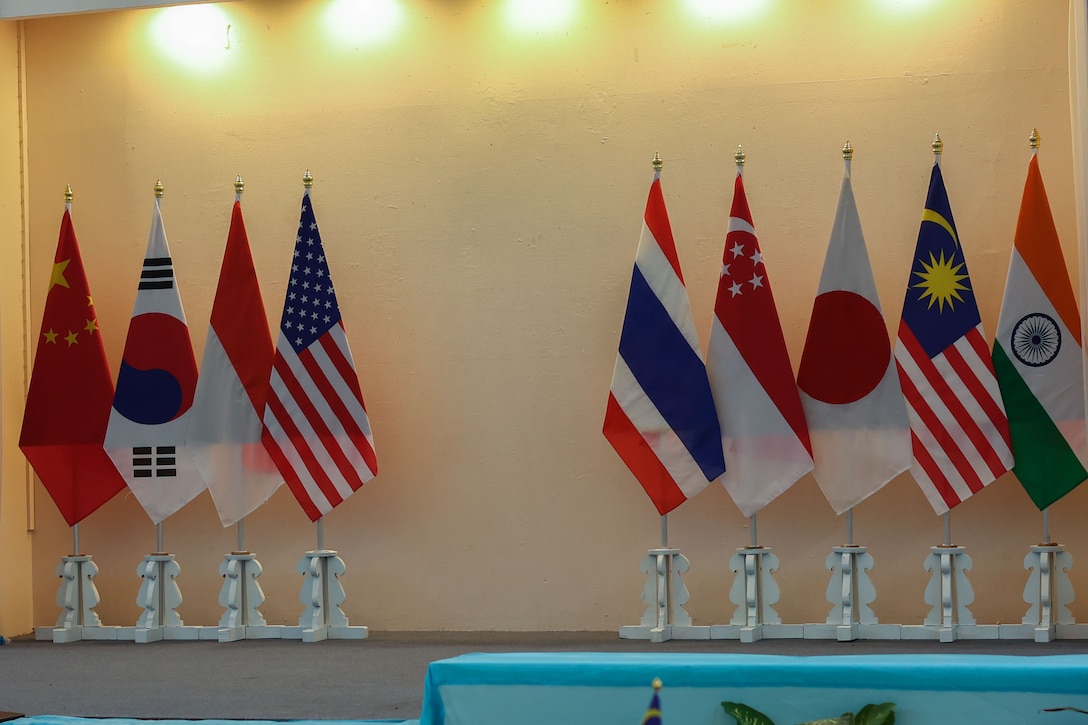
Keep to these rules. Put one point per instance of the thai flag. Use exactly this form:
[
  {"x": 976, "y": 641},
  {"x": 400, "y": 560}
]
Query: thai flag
[{"x": 660, "y": 416}]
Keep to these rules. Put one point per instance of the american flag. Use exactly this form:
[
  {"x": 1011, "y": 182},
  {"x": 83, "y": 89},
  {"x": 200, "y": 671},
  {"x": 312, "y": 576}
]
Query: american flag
[
  {"x": 959, "y": 430},
  {"x": 315, "y": 424}
]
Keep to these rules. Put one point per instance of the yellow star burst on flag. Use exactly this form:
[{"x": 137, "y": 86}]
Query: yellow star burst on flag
[
  {"x": 91, "y": 326},
  {"x": 941, "y": 281},
  {"x": 72, "y": 338},
  {"x": 51, "y": 336},
  {"x": 57, "y": 276}
]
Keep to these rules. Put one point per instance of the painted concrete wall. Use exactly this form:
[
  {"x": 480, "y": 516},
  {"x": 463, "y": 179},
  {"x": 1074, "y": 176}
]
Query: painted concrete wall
[
  {"x": 16, "y": 602},
  {"x": 480, "y": 195}
]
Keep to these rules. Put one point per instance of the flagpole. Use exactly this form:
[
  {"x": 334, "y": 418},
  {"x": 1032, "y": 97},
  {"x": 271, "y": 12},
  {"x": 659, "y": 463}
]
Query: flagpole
[
  {"x": 948, "y": 528},
  {"x": 321, "y": 534},
  {"x": 1046, "y": 525},
  {"x": 752, "y": 531},
  {"x": 664, "y": 531},
  {"x": 850, "y": 526},
  {"x": 938, "y": 148},
  {"x": 241, "y": 534},
  {"x": 158, "y": 537},
  {"x": 75, "y": 527}
]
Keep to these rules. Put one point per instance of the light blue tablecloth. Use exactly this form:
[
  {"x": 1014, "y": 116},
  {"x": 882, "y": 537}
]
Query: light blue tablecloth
[{"x": 600, "y": 688}]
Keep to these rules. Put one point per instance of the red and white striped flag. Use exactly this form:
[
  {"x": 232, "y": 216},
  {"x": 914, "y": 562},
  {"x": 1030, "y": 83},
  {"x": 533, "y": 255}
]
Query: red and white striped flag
[
  {"x": 959, "y": 431},
  {"x": 315, "y": 423}
]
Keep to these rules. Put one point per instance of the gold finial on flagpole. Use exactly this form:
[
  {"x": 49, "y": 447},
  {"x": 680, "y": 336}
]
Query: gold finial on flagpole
[
  {"x": 657, "y": 162},
  {"x": 1034, "y": 139},
  {"x": 847, "y": 151},
  {"x": 68, "y": 194},
  {"x": 239, "y": 185},
  {"x": 937, "y": 145},
  {"x": 308, "y": 179},
  {"x": 740, "y": 156},
  {"x": 158, "y": 188},
  {"x": 657, "y": 683}
]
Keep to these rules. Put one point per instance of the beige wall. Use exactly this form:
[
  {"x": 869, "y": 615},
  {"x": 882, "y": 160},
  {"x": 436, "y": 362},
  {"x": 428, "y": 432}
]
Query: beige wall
[
  {"x": 480, "y": 198},
  {"x": 16, "y": 602}
]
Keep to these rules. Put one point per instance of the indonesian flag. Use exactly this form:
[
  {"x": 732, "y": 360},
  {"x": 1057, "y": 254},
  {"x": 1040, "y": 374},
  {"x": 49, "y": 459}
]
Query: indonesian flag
[
  {"x": 849, "y": 383},
  {"x": 660, "y": 415},
  {"x": 155, "y": 387},
  {"x": 68, "y": 403},
  {"x": 764, "y": 435},
  {"x": 1037, "y": 356},
  {"x": 225, "y": 422}
]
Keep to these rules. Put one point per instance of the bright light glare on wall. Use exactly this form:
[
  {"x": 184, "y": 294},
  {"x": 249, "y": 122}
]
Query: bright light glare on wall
[
  {"x": 906, "y": 6},
  {"x": 364, "y": 21},
  {"x": 540, "y": 15},
  {"x": 725, "y": 10},
  {"x": 195, "y": 36}
]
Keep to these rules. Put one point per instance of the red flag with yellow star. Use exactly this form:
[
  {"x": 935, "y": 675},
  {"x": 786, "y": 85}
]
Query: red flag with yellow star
[{"x": 71, "y": 391}]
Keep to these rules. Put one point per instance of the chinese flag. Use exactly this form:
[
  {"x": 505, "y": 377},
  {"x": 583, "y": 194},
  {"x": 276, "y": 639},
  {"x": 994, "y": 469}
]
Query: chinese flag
[{"x": 71, "y": 391}]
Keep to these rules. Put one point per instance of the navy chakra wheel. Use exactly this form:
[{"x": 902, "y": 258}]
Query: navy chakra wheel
[{"x": 1036, "y": 339}]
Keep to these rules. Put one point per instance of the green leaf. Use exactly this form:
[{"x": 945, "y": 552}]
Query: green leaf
[
  {"x": 876, "y": 714},
  {"x": 846, "y": 718},
  {"x": 745, "y": 715}
]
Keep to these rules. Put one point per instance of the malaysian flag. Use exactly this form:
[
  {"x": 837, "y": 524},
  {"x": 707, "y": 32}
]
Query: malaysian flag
[
  {"x": 959, "y": 431},
  {"x": 315, "y": 424}
]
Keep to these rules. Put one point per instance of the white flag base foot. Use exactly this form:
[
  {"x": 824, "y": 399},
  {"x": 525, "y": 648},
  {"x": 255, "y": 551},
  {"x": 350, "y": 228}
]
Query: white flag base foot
[
  {"x": 853, "y": 632},
  {"x": 322, "y": 594},
  {"x": 179, "y": 633},
  {"x": 755, "y": 633},
  {"x": 664, "y": 634},
  {"x": 664, "y": 595},
  {"x": 63, "y": 635}
]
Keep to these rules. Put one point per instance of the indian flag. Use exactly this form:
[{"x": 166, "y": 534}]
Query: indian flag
[{"x": 1037, "y": 356}]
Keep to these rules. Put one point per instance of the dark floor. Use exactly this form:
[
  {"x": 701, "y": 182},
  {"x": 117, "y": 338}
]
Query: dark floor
[{"x": 379, "y": 677}]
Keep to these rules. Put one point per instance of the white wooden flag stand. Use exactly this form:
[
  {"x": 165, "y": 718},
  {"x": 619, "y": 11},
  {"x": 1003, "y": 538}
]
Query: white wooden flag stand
[
  {"x": 664, "y": 596},
  {"x": 948, "y": 593},
  {"x": 850, "y": 592},
  {"x": 1049, "y": 591},
  {"x": 77, "y": 597},
  {"x": 754, "y": 591},
  {"x": 241, "y": 596},
  {"x": 322, "y": 595},
  {"x": 160, "y": 597}
]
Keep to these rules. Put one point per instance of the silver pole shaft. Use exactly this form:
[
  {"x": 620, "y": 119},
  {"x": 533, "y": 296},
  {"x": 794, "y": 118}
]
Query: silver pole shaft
[
  {"x": 158, "y": 535},
  {"x": 948, "y": 528},
  {"x": 241, "y": 535},
  {"x": 664, "y": 531},
  {"x": 320, "y": 535},
  {"x": 75, "y": 539},
  {"x": 1046, "y": 525},
  {"x": 849, "y": 527},
  {"x": 752, "y": 530}
]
